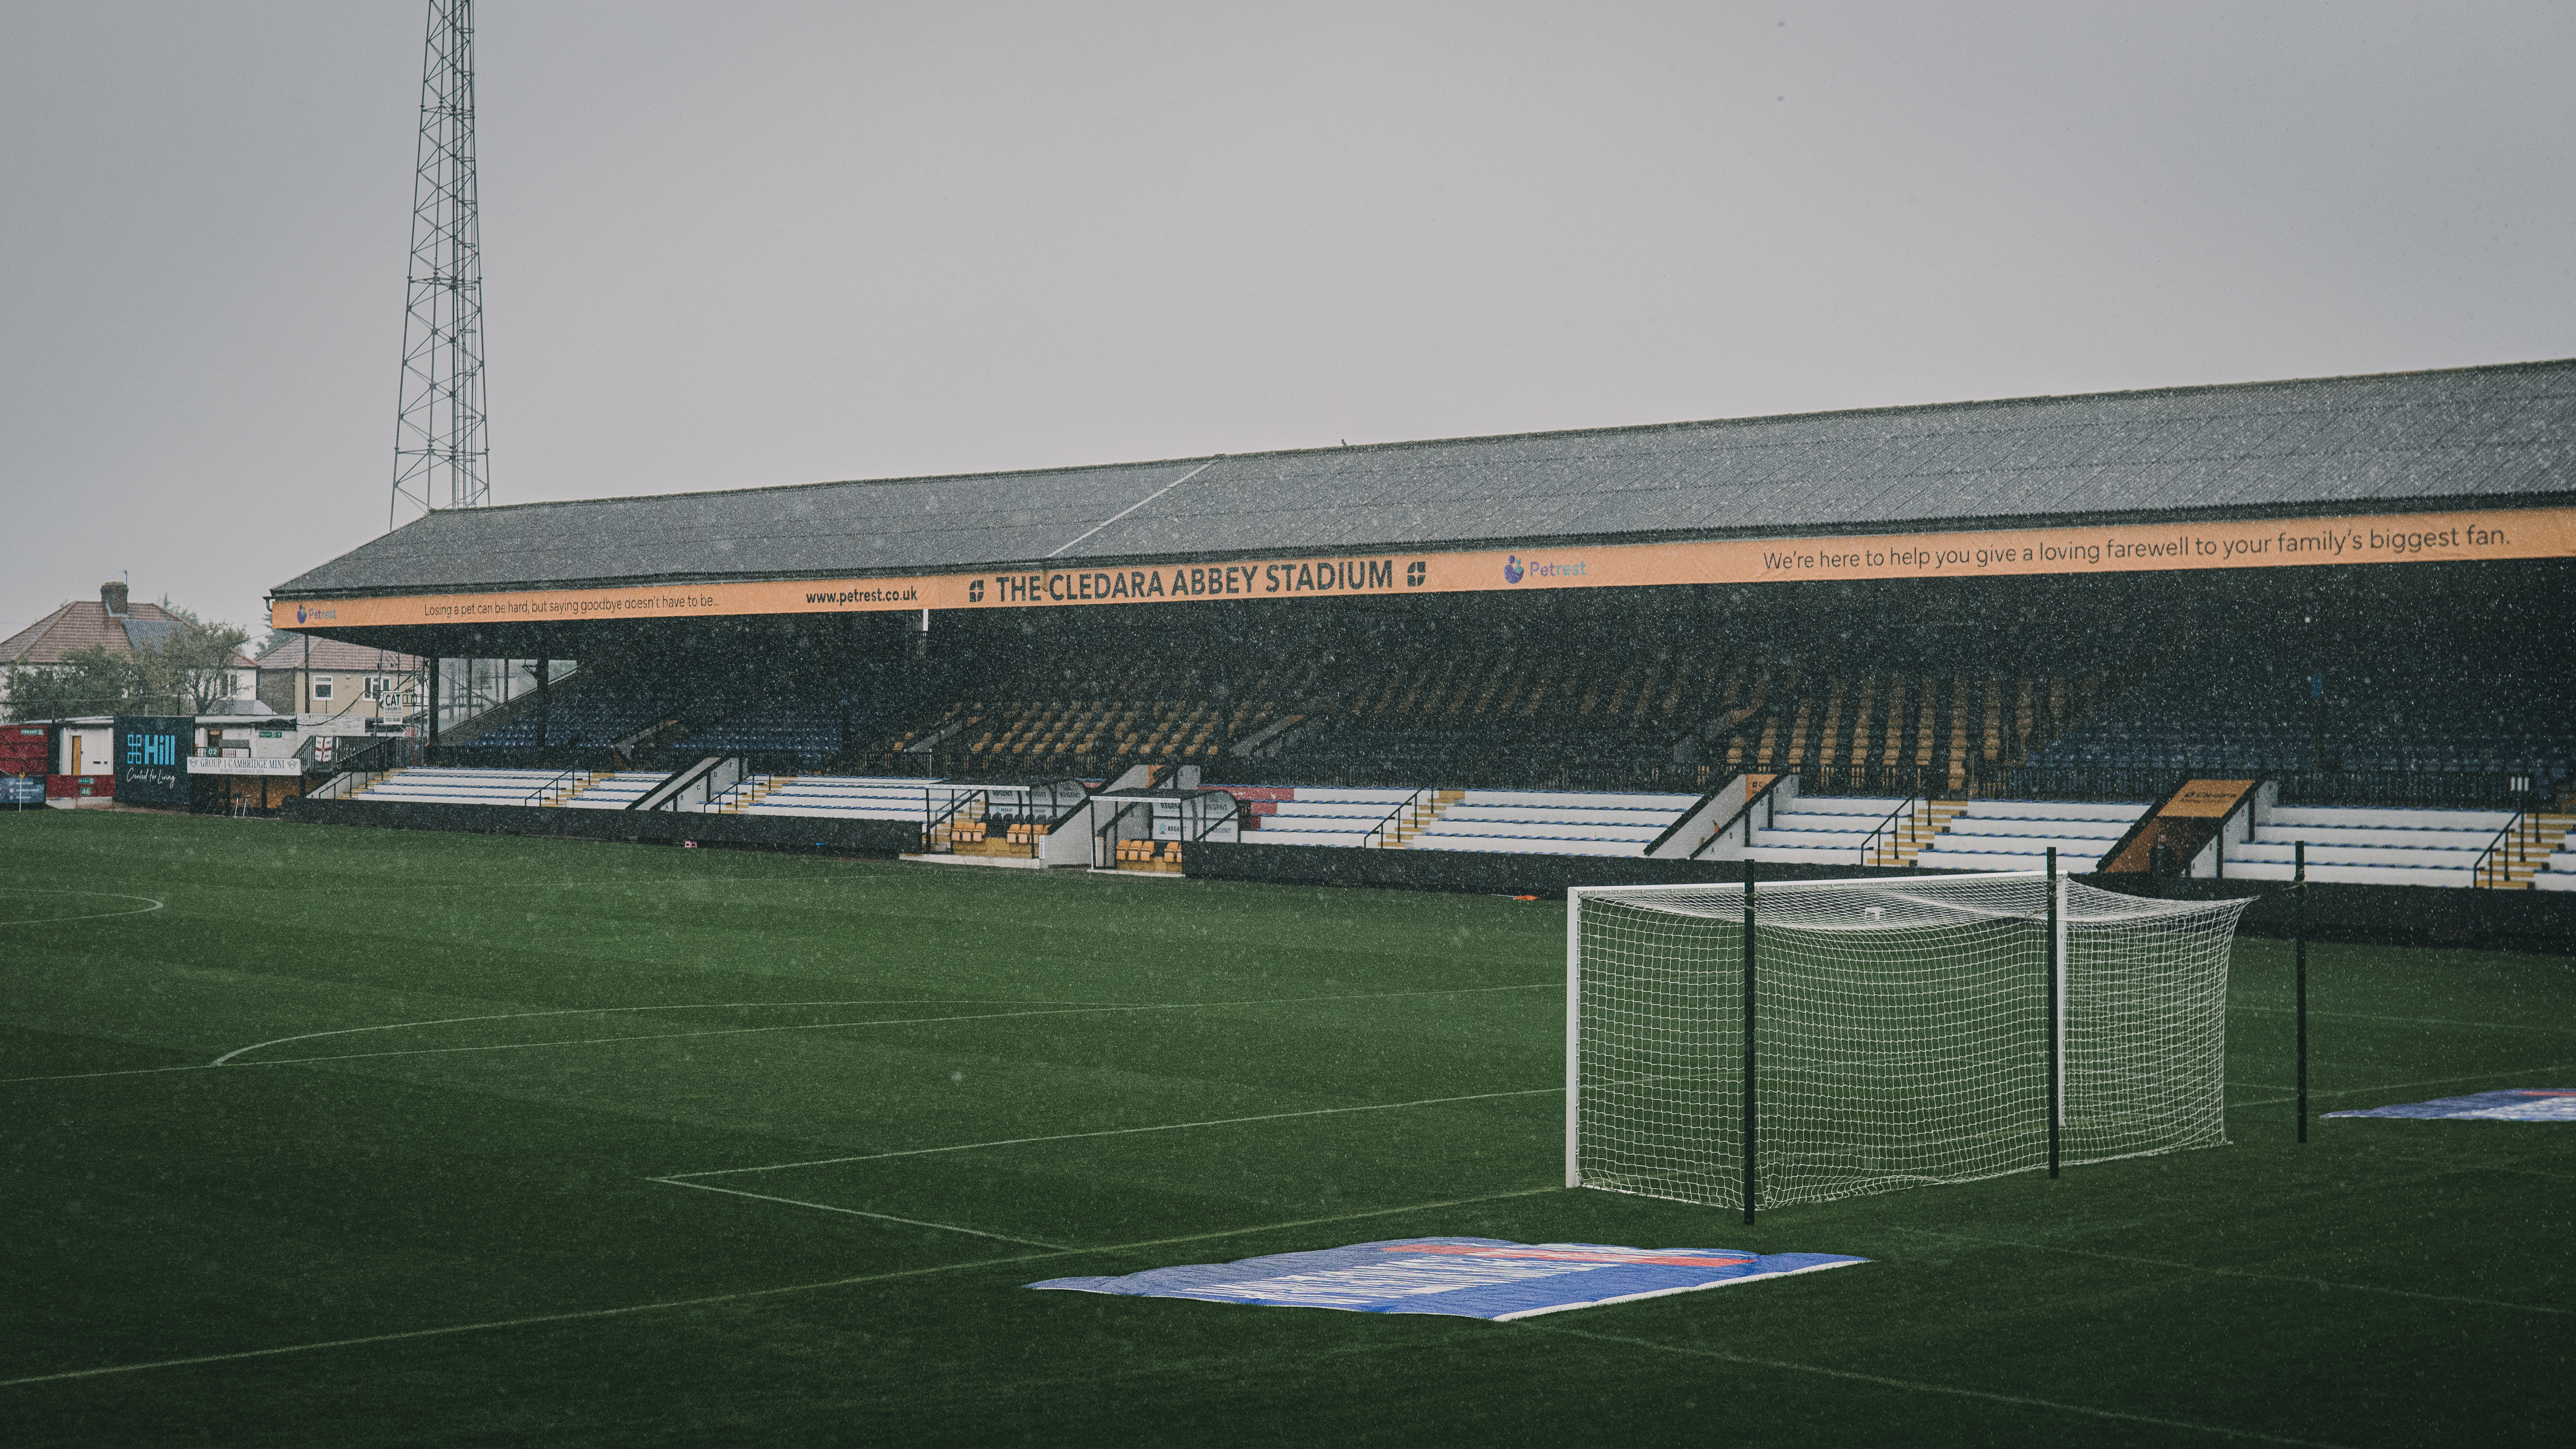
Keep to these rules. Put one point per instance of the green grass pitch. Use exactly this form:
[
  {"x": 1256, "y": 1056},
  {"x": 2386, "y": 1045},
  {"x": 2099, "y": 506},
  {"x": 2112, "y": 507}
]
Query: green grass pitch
[{"x": 445, "y": 1195}]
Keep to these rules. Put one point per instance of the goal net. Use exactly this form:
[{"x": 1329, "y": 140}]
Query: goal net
[{"x": 1900, "y": 1032}]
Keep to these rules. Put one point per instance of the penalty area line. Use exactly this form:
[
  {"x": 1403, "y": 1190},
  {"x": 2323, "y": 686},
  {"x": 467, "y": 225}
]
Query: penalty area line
[
  {"x": 677, "y": 1177},
  {"x": 2314, "y": 1092},
  {"x": 861, "y": 1213},
  {"x": 589, "y": 1314},
  {"x": 1918, "y": 1386}
]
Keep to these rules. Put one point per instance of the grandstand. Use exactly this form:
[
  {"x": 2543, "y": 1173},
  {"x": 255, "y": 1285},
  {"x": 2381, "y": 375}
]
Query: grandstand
[{"x": 1958, "y": 637}]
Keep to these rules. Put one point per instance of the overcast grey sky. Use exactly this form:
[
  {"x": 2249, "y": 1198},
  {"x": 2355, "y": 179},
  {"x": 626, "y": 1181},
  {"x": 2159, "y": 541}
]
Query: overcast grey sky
[{"x": 783, "y": 242}]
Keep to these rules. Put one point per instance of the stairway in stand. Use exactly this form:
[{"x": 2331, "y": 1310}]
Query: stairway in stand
[
  {"x": 2529, "y": 859},
  {"x": 760, "y": 786},
  {"x": 1420, "y": 819},
  {"x": 1936, "y": 817}
]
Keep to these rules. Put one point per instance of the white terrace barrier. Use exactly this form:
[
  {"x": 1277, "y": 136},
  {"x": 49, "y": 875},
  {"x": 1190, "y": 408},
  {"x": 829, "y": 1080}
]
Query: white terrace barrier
[
  {"x": 1819, "y": 829},
  {"x": 1324, "y": 816},
  {"x": 616, "y": 791},
  {"x": 1553, "y": 822},
  {"x": 443, "y": 786},
  {"x": 2370, "y": 846},
  {"x": 840, "y": 797},
  {"x": 2018, "y": 834}
]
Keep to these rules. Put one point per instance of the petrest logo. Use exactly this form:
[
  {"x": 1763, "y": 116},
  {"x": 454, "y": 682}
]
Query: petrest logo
[{"x": 1516, "y": 568}]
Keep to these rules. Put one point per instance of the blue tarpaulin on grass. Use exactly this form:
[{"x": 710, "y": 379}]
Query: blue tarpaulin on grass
[
  {"x": 1461, "y": 1277},
  {"x": 2514, "y": 1104}
]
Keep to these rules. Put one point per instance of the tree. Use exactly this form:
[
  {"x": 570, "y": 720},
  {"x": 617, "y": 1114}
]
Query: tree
[
  {"x": 191, "y": 665},
  {"x": 181, "y": 667},
  {"x": 95, "y": 680}
]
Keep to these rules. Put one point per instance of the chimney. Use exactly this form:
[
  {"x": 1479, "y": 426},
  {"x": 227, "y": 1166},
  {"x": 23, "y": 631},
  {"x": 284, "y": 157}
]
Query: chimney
[{"x": 112, "y": 594}]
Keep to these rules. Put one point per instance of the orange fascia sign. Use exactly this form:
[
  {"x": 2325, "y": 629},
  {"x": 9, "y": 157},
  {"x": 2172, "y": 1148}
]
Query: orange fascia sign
[{"x": 2526, "y": 533}]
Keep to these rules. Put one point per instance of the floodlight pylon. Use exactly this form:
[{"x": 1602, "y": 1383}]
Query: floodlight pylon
[{"x": 441, "y": 458}]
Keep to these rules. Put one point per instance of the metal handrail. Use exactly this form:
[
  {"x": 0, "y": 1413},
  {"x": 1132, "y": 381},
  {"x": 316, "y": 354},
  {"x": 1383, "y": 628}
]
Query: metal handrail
[
  {"x": 746, "y": 783},
  {"x": 1376, "y": 834},
  {"x": 1908, "y": 812},
  {"x": 2500, "y": 871},
  {"x": 537, "y": 796}
]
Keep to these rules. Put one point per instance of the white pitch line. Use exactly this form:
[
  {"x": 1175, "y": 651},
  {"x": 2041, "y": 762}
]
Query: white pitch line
[
  {"x": 226, "y": 1062},
  {"x": 2303, "y": 1282},
  {"x": 2411, "y": 1020},
  {"x": 2316, "y": 1092},
  {"x": 226, "y": 1059},
  {"x": 858, "y": 1213},
  {"x": 539, "y": 1319},
  {"x": 157, "y": 904},
  {"x": 1917, "y": 1386},
  {"x": 127, "y": 1072},
  {"x": 612, "y": 1010},
  {"x": 1109, "y": 1132}
]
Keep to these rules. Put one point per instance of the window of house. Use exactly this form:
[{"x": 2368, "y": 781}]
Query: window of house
[
  {"x": 375, "y": 686},
  {"x": 321, "y": 686}
]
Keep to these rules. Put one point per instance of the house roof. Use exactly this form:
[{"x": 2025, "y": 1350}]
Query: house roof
[
  {"x": 337, "y": 655},
  {"x": 2491, "y": 436},
  {"x": 86, "y": 623}
]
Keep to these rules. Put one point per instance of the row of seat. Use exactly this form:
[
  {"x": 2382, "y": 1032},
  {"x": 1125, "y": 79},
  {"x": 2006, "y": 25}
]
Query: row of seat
[{"x": 2245, "y": 716}]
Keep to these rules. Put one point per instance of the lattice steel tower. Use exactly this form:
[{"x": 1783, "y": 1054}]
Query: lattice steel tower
[{"x": 440, "y": 458}]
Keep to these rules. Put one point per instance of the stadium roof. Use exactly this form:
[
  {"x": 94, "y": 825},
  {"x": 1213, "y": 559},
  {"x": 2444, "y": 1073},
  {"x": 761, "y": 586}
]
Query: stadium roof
[{"x": 2500, "y": 436}]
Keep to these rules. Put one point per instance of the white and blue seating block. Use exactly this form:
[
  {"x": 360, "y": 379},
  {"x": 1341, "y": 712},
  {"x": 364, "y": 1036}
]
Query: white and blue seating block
[
  {"x": 1554, "y": 822},
  {"x": 2370, "y": 846},
  {"x": 846, "y": 797},
  {"x": 2018, "y": 834},
  {"x": 1819, "y": 829}
]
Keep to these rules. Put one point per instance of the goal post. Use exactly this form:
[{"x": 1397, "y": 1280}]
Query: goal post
[{"x": 1903, "y": 1029}]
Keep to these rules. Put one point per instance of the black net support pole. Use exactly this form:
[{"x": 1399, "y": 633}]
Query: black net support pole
[
  {"x": 2056, "y": 1067},
  {"x": 2299, "y": 969},
  {"x": 1749, "y": 1118}
]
